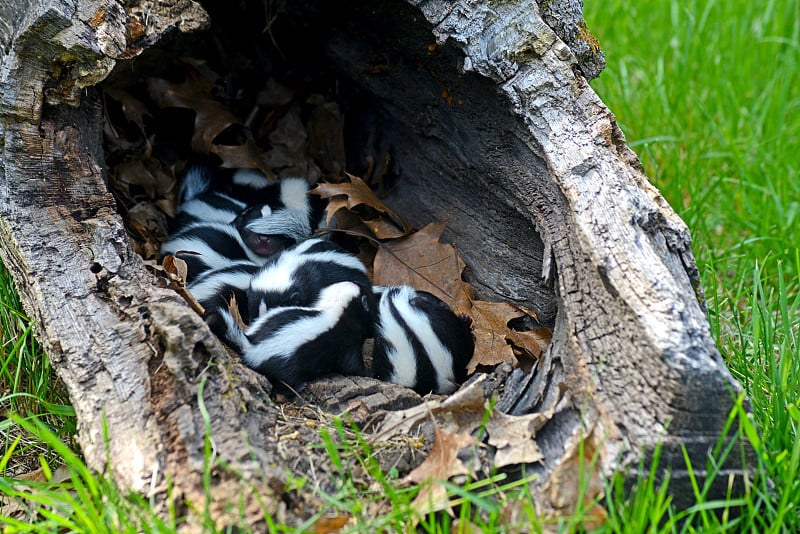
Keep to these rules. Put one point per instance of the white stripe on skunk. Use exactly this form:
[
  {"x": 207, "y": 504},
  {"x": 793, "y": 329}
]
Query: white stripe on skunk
[
  {"x": 214, "y": 288},
  {"x": 250, "y": 178},
  {"x": 297, "y": 276},
  {"x": 295, "y": 344},
  {"x": 420, "y": 343}
]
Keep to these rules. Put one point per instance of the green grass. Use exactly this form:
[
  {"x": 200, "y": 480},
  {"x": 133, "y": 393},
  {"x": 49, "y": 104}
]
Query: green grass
[
  {"x": 706, "y": 93},
  {"x": 28, "y": 384}
]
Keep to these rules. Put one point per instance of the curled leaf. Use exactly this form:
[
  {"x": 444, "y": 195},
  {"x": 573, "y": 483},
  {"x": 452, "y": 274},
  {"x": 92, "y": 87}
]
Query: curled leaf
[
  {"x": 212, "y": 117},
  {"x": 176, "y": 270},
  {"x": 357, "y": 195},
  {"x": 441, "y": 464}
]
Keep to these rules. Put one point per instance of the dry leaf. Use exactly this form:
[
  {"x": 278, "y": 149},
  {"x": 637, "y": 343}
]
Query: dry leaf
[
  {"x": 493, "y": 335},
  {"x": 326, "y": 139},
  {"x": 195, "y": 93},
  {"x": 513, "y": 437},
  {"x": 288, "y": 141},
  {"x": 244, "y": 156},
  {"x": 424, "y": 263},
  {"x": 148, "y": 222},
  {"x": 61, "y": 474},
  {"x": 356, "y": 194},
  {"x": 176, "y": 269},
  {"x": 133, "y": 108},
  {"x": 452, "y": 413},
  {"x": 383, "y": 229},
  {"x": 233, "y": 308},
  {"x": 18, "y": 508},
  {"x": 274, "y": 94},
  {"x": 328, "y": 524},
  {"x": 534, "y": 341},
  {"x": 146, "y": 175},
  {"x": 490, "y": 327},
  {"x": 577, "y": 475},
  {"x": 336, "y": 205},
  {"x": 148, "y": 225},
  {"x": 441, "y": 464}
]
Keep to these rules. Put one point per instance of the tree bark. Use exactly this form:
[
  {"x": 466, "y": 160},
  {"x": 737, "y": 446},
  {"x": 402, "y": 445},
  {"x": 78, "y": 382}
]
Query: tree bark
[
  {"x": 546, "y": 203},
  {"x": 132, "y": 356}
]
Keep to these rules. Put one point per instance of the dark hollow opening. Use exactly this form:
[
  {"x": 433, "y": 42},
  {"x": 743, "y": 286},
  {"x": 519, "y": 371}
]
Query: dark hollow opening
[{"x": 448, "y": 140}]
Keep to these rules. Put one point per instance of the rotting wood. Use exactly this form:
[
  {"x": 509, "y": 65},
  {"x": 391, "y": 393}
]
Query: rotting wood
[{"x": 546, "y": 203}]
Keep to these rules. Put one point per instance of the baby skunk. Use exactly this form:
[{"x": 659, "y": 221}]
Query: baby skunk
[
  {"x": 420, "y": 343},
  {"x": 216, "y": 229},
  {"x": 295, "y": 344},
  {"x": 297, "y": 276}
]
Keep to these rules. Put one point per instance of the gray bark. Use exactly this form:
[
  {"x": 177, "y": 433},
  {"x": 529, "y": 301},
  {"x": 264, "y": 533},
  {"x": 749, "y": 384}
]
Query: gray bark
[
  {"x": 131, "y": 355},
  {"x": 546, "y": 203}
]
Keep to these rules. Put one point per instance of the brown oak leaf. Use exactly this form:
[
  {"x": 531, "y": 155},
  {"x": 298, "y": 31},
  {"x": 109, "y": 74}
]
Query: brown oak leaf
[
  {"x": 577, "y": 483},
  {"x": 176, "y": 270},
  {"x": 513, "y": 437},
  {"x": 133, "y": 108},
  {"x": 494, "y": 338},
  {"x": 441, "y": 464},
  {"x": 356, "y": 194},
  {"x": 426, "y": 264}
]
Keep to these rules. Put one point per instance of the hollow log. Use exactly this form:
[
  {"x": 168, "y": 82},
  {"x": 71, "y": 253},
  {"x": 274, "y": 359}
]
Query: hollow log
[{"x": 547, "y": 205}]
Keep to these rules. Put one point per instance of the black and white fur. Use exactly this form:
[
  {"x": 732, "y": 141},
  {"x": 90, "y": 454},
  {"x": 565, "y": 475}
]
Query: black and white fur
[
  {"x": 214, "y": 289},
  {"x": 420, "y": 343},
  {"x": 294, "y": 213},
  {"x": 296, "y": 344},
  {"x": 214, "y": 229},
  {"x": 297, "y": 276},
  {"x": 199, "y": 201},
  {"x": 209, "y": 247}
]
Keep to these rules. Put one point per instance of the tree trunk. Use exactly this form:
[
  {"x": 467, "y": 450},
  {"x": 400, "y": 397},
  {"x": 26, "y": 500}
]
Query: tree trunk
[{"x": 547, "y": 205}]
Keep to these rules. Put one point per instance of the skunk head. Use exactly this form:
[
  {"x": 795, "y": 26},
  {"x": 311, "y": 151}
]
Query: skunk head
[
  {"x": 357, "y": 302},
  {"x": 266, "y": 231},
  {"x": 420, "y": 343},
  {"x": 281, "y": 218}
]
